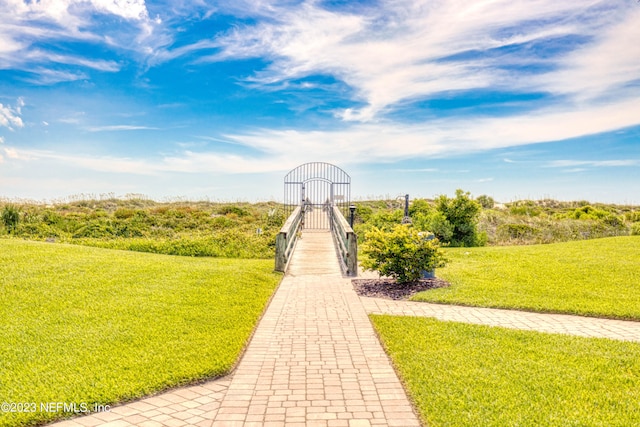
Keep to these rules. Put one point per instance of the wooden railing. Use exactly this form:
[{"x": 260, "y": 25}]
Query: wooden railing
[
  {"x": 286, "y": 239},
  {"x": 346, "y": 242},
  {"x": 344, "y": 239}
]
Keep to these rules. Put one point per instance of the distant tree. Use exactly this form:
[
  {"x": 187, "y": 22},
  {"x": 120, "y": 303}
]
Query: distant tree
[
  {"x": 462, "y": 214},
  {"x": 485, "y": 201}
]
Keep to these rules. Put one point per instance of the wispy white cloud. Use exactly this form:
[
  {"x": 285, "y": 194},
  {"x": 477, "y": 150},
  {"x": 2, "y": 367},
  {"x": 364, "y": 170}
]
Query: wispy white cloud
[
  {"x": 119, "y": 128},
  {"x": 277, "y": 150},
  {"x": 48, "y": 76},
  {"x": 575, "y": 170},
  {"x": 381, "y": 142},
  {"x": 39, "y": 55},
  {"x": 128, "y": 9},
  {"x": 419, "y": 170},
  {"x": 71, "y": 14},
  {"x": 186, "y": 162},
  {"x": 15, "y": 154},
  {"x": 281, "y": 150},
  {"x": 406, "y": 50},
  {"x": 73, "y": 119},
  {"x": 604, "y": 67},
  {"x": 110, "y": 164},
  {"x": 593, "y": 163},
  {"x": 10, "y": 116},
  {"x": 24, "y": 25}
]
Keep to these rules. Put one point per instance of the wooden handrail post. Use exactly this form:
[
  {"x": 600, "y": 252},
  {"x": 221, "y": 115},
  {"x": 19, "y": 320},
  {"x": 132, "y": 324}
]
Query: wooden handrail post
[
  {"x": 352, "y": 253},
  {"x": 286, "y": 240},
  {"x": 346, "y": 242}
]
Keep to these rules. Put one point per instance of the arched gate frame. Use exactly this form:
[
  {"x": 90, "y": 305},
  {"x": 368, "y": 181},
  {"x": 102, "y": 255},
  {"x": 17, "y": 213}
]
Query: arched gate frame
[{"x": 317, "y": 187}]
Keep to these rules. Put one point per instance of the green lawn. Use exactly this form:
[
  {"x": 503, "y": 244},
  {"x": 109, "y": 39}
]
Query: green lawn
[
  {"x": 468, "y": 375},
  {"x": 90, "y": 325},
  {"x": 598, "y": 277}
]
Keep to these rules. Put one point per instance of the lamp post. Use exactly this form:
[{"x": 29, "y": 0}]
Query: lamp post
[
  {"x": 352, "y": 209},
  {"x": 407, "y": 218}
]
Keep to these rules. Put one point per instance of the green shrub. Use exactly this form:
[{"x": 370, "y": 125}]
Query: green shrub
[
  {"x": 362, "y": 213},
  {"x": 516, "y": 231},
  {"x": 50, "y": 217},
  {"x": 274, "y": 218},
  {"x": 402, "y": 253},
  {"x": 383, "y": 220},
  {"x": 225, "y": 210},
  {"x": 486, "y": 202},
  {"x": 588, "y": 212},
  {"x": 223, "y": 222},
  {"x": 124, "y": 213},
  {"x": 633, "y": 216},
  {"x": 387, "y": 220},
  {"x": 38, "y": 230},
  {"x": 436, "y": 223},
  {"x": 95, "y": 229},
  {"x": 130, "y": 229},
  {"x": 613, "y": 220},
  {"x": 10, "y": 217},
  {"x": 462, "y": 213},
  {"x": 525, "y": 208},
  {"x": 420, "y": 207},
  {"x": 635, "y": 229},
  {"x": 98, "y": 213}
]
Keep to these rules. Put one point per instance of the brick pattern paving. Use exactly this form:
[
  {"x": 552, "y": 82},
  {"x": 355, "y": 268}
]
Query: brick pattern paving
[
  {"x": 315, "y": 359},
  {"x": 552, "y": 323},
  {"x": 188, "y": 406}
]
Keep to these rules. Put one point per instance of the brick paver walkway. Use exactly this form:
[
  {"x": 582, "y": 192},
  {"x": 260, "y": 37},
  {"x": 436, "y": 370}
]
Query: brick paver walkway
[
  {"x": 553, "y": 323},
  {"x": 315, "y": 360}
]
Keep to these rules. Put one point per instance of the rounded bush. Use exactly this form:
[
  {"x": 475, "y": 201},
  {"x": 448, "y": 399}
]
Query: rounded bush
[{"x": 402, "y": 253}]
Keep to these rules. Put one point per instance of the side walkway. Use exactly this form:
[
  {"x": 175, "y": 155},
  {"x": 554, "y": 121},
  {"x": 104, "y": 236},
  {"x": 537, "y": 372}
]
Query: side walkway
[{"x": 552, "y": 323}]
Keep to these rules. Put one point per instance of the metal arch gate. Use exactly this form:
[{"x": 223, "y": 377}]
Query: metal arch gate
[{"x": 317, "y": 187}]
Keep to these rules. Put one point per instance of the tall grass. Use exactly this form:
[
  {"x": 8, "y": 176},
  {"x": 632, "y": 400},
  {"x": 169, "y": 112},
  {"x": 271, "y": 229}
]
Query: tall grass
[
  {"x": 239, "y": 230},
  {"x": 522, "y": 222}
]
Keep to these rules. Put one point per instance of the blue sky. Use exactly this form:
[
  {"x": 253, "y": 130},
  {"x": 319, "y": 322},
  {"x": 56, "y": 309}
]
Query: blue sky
[{"x": 220, "y": 99}]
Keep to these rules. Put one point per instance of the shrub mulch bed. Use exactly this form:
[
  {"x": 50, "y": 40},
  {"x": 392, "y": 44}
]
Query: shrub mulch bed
[{"x": 389, "y": 289}]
